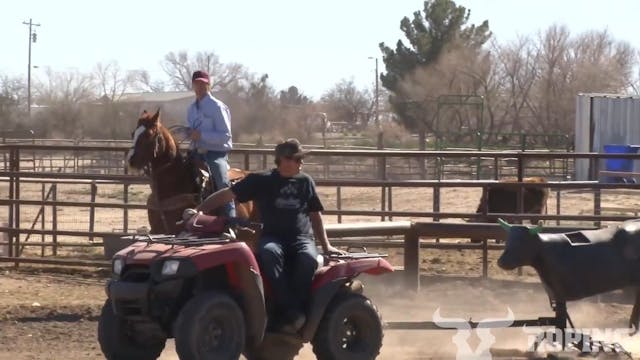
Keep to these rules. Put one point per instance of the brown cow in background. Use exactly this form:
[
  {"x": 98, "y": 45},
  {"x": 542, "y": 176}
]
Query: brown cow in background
[{"x": 504, "y": 199}]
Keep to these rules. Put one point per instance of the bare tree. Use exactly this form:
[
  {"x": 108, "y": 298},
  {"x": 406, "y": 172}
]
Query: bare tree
[
  {"x": 143, "y": 82},
  {"x": 64, "y": 94},
  {"x": 13, "y": 101},
  {"x": 179, "y": 67},
  {"x": 113, "y": 81},
  {"x": 511, "y": 73},
  {"x": 532, "y": 82},
  {"x": 346, "y": 103},
  {"x": 634, "y": 82}
]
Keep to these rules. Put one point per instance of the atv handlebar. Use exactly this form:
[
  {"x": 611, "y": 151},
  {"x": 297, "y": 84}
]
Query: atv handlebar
[
  {"x": 244, "y": 223},
  {"x": 352, "y": 256}
]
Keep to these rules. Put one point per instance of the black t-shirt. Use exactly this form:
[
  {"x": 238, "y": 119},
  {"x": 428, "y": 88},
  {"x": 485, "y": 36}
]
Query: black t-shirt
[{"x": 284, "y": 203}]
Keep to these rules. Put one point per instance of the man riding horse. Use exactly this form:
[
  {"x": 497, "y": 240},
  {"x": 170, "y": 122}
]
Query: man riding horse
[
  {"x": 174, "y": 187},
  {"x": 209, "y": 121}
]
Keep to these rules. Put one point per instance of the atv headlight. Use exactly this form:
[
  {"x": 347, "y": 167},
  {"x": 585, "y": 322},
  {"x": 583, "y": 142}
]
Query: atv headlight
[
  {"x": 170, "y": 267},
  {"x": 118, "y": 264}
]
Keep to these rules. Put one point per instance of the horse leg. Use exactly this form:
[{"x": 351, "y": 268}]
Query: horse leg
[{"x": 155, "y": 222}]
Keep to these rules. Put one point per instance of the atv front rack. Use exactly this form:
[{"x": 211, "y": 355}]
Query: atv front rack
[
  {"x": 181, "y": 241},
  {"x": 364, "y": 254},
  {"x": 354, "y": 256}
]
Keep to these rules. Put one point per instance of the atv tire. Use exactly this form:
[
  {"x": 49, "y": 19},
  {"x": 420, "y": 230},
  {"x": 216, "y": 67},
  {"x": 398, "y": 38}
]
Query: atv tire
[
  {"x": 210, "y": 326},
  {"x": 351, "y": 329},
  {"x": 116, "y": 344}
]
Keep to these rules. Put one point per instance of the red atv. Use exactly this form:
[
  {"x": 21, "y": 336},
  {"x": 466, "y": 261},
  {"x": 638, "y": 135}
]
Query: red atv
[{"x": 204, "y": 289}]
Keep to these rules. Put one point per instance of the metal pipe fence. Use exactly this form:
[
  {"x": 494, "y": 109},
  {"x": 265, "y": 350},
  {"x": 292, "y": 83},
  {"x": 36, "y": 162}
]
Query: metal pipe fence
[{"x": 18, "y": 176}]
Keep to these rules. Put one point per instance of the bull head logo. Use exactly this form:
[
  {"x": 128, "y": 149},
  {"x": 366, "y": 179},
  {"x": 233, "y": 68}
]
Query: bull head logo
[{"x": 464, "y": 328}]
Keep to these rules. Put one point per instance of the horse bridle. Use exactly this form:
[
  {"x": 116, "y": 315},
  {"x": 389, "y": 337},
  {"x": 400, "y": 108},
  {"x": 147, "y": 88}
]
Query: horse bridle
[{"x": 147, "y": 169}]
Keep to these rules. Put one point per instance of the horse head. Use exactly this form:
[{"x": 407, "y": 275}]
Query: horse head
[{"x": 151, "y": 142}]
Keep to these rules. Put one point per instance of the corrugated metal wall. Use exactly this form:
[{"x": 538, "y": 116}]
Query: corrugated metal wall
[{"x": 603, "y": 119}]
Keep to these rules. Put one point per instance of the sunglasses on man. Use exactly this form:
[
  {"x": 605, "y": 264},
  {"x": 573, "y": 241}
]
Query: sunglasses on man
[{"x": 294, "y": 158}]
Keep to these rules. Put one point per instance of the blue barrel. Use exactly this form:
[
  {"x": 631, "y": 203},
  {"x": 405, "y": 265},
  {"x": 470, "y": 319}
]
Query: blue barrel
[{"x": 625, "y": 165}]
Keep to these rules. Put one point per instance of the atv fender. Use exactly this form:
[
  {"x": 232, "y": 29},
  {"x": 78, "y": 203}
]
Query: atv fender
[
  {"x": 319, "y": 302},
  {"x": 350, "y": 269},
  {"x": 330, "y": 280},
  {"x": 248, "y": 283}
]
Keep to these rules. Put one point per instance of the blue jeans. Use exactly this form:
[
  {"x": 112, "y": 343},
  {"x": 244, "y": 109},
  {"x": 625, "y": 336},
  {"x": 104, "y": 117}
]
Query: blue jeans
[
  {"x": 218, "y": 162},
  {"x": 289, "y": 267}
]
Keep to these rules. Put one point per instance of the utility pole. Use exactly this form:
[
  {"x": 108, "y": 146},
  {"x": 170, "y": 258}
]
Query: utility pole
[
  {"x": 377, "y": 109},
  {"x": 32, "y": 38},
  {"x": 377, "y": 96}
]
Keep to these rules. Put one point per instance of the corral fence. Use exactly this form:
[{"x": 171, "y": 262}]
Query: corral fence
[{"x": 24, "y": 228}]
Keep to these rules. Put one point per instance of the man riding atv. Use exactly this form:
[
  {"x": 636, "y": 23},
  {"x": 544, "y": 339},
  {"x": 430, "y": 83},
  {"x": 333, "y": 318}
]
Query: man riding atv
[{"x": 291, "y": 215}]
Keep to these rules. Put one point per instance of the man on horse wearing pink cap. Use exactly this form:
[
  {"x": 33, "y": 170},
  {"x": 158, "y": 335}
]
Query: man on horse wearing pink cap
[{"x": 209, "y": 120}]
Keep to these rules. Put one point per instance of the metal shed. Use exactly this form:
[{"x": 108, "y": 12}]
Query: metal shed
[{"x": 603, "y": 119}]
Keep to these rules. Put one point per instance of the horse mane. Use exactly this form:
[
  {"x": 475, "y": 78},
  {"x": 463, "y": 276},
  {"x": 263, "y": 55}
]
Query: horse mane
[{"x": 169, "y": 142}]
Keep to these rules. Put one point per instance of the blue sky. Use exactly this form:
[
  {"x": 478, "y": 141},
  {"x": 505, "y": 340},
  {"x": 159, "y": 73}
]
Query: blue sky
[{"x": 310, "y": 44}]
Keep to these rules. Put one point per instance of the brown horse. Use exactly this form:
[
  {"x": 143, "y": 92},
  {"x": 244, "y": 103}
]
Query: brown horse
[{"x": 174, "y": 187}]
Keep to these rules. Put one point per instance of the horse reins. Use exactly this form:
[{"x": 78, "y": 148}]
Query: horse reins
[{"x": 152, "y": 174}]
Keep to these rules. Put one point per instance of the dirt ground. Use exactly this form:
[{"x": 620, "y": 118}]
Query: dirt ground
[{"x": 51, "y": 313}]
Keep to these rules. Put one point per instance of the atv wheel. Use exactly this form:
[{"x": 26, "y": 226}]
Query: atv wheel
[
  {"x": 117, "y": 344},
  {"x": 210, "y": 326},
  {"x": 350, "y": 329}
]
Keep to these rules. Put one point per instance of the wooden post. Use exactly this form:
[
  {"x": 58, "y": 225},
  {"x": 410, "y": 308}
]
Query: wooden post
[
  {"x": 54, "y": 220},
  {"x": 246, "y": 161},
  {"x": 520, "y": 168},
  {"x": 339, "y": 202},
  {"x": 436, "y": 204},
  {"x": 597, "y": 209},
  {"x": 382, "y": 175},
  {"x": 92, "y": 209},
  {"x": 16, "y": 193},
  {"x": 42, "y": 219},
  {"x": 412, "y": 259},
  {"x": 12, "y": 187},
  {"x": 597, "y": 194},
  {"x": 124, "y": 163},
  {"x": 485, "y": 259},
  {"x": 382, "y": 168},
  {"x": 325, "y": 167},
  {"x": 390, "y": 202},
  {"x": 383, "y": 201},
  {"x": 125, "y": 211},
  {"x": 558, "y": 205}
]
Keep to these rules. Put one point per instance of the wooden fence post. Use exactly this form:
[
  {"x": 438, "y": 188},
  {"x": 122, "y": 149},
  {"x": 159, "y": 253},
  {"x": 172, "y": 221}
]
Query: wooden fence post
[
  {"x": 16, "y": 214},
  {"x": 92, "y": 209},
  {"x": 54, "y": 219},
  {"x": 485, "y": 258},
  {"x": 125, "y": 210},
  {"x": 339, "y": 202},
  {"x": 42, "y": 222},
  {"x": 412, "y": 259},
  {"x": 12, "y": 187}
]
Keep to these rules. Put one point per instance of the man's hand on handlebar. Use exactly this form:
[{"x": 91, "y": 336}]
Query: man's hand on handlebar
[
  {"x": 334, "y": 251},
  {"x": 188, "y": 213}
]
